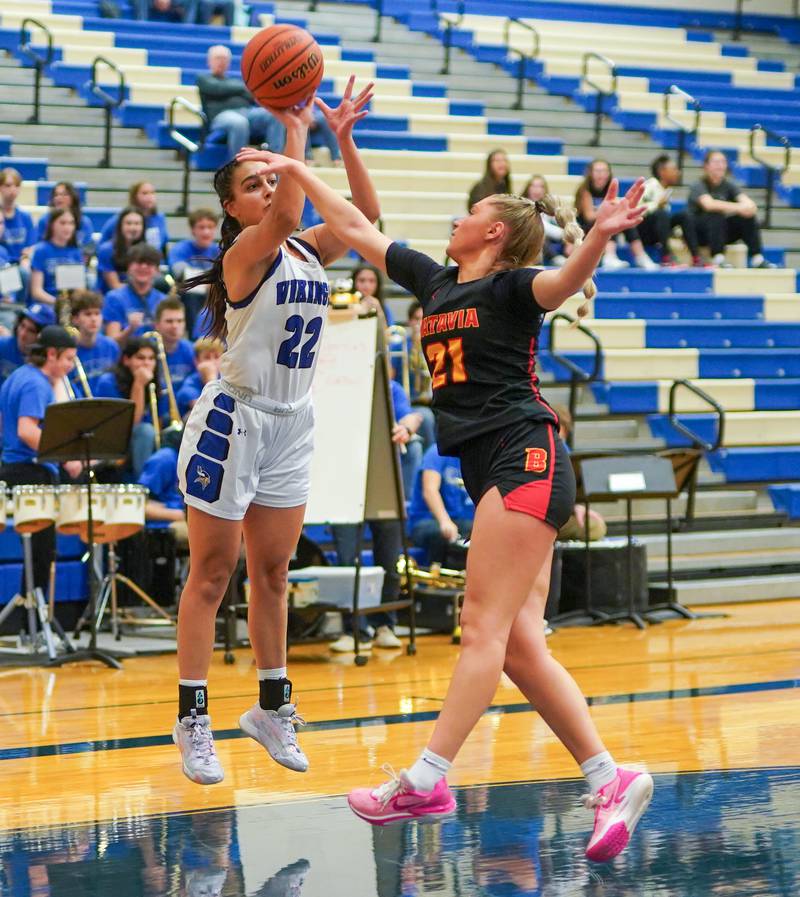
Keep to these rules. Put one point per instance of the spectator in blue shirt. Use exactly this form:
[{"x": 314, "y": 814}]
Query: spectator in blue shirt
[
  {"x": 189, "y": 257},
  {"x": 170, "y": 322},
  {"x": 65, "y": 196},
  {"x": 165, "y": 507},
  {"x": 166, "y": 10},
  {"x": 207, "y": 355},
  {"x": 97, "y": 353},
  {"x": 19, "y": 234},
  {"x": 142, "y": 195},
  {"x": 24, "y": 397},
  {"x": 112, "y": 255},
  {"x": 134, "y": 377},
  {"x": 14, "y": 349},
  {"x": 407, "y": 422},
  {"x": 59, "y": 247},
  {"x": 441, "y": 511},
  {"x": 130, "y": 310}
]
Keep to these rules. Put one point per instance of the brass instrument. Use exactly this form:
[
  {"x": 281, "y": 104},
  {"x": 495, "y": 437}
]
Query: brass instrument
[
  {"x": 79, "y": 370},
  {"x": 175, "y": 420},
  {"x": 397, "y": 348},
  {"x": 418, "y": 369},
  {"x": 152, "y": 399},
  {"x": 437, "y": 577}
]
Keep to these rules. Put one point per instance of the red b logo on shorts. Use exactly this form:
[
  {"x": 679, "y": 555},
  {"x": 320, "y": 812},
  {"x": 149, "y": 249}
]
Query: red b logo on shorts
[{"x": 536, "y": 460}]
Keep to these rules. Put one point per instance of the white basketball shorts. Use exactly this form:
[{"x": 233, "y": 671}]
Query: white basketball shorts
[{"x": 236, "y": 453}]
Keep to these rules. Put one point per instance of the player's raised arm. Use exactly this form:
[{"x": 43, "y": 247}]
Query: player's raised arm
[{"x": 348, "y": 224}]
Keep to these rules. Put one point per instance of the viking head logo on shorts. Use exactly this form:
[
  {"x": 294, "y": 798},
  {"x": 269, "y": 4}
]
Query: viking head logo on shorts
[{"x": 203, "y": 477}]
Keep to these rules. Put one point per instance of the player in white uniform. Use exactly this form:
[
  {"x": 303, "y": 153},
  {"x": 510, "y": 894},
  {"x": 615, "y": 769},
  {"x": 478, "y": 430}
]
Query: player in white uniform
[{"x": 246, "y": 452}]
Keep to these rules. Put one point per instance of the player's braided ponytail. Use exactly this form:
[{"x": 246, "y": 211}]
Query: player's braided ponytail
[
  {"x": 230, "y": 229},
  {"x": 526, "y": 233}
]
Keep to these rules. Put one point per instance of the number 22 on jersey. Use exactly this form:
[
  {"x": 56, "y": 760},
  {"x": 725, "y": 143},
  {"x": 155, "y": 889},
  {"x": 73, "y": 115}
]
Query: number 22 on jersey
[
  {"x": 298, "y": 326},
  {"x": 443, "y": 356}
]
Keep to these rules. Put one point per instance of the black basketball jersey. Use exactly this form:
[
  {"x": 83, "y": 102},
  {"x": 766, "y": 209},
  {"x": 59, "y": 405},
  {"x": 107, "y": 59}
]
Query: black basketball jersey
[{"x": 479, "y": 339}]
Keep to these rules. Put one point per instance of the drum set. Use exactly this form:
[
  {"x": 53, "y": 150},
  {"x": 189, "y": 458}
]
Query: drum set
[{"x": 117, "y": 511}]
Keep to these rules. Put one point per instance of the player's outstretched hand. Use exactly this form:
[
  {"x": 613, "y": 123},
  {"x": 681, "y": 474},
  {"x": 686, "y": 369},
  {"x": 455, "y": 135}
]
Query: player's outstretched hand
[
  {"x": 276, "y": 163},
  {"x": 301, "y": 115},
  {"x": 618, "y": 214},
  {"x": 349, "y": 111}
]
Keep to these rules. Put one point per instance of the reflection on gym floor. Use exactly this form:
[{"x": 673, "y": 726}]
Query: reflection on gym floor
[{"x": 714, "y": 833}]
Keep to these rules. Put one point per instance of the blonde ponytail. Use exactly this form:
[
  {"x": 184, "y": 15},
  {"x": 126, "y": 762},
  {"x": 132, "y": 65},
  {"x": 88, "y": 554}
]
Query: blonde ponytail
[{"x": 526, "y": 233}]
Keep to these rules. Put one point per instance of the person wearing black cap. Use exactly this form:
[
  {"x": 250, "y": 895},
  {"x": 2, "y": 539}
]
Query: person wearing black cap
[
  {"x": 14, "y": 348},
  {"x": 23, "y": 399}
]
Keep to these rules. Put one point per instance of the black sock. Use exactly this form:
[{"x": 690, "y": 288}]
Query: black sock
[
  {"x": 274, "y": 693},
  {"x": 192, "y": 697}
]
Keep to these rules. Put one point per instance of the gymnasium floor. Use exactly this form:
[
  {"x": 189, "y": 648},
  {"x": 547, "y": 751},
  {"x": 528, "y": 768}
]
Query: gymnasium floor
[{"x": 92, "y": 800}]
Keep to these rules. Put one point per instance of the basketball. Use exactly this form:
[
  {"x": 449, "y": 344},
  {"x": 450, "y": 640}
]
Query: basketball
[{"x": 282, "y": 65}]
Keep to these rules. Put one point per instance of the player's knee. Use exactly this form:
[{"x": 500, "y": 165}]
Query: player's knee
[
  {"x": 274, "y": 576},
  {"x": 480, "y": 628},
  {"x": 213, "y": 579}
]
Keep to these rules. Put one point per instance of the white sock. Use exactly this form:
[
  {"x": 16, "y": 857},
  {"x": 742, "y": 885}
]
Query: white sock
[
  {"x": 428, "y": 770},
  {"x": 277, "y": 673},
  {"x": 756, "y": 260},
  {"x": 194, "y": 683},
  {"x": 599, "y": 771}
]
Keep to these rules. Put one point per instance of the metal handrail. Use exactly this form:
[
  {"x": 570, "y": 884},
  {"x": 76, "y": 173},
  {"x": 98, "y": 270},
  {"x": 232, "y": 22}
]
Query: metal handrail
[
  {"x": 738, "y": 25},
  {"x": 771, "y": 169},
  {"x": 674, "y": 91},
  {"x": 601, "y": 94},
  {"x": 39, "y": 62},
  {"x": 449, "y": 25},
  {"x": 188, "y": 147},
  {"x": 523, "y": 57},
  {"x": 376, "y": 38},
  {"x": 109, "y": 102},
  {"x": 577, "y": 374},
  {"x": 683, "y": 429}
]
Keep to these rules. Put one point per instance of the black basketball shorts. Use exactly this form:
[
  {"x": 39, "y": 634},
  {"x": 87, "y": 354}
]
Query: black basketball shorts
[{"x": 529, "y": 465}]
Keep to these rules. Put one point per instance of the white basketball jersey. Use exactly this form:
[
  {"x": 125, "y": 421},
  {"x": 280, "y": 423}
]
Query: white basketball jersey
[{"x": 274, "y": 333}]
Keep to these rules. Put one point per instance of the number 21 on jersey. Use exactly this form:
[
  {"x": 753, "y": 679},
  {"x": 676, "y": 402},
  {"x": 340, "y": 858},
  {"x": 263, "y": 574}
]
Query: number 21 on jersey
[{"x": 448, "y": 362}]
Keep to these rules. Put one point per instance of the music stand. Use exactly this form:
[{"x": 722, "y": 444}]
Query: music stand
[
  {"x": 83, "y": 430},
  {"x": 626, "y": 478}
]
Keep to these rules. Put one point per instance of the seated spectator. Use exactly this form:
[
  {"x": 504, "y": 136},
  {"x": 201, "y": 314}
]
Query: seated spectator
[
  {"x": 165, "y": 10},
  {"x": 574, "y": 530},
  {"x": 207, "y": 355},
  {"x": 59, "y": 247},
  {"x": 659, "y": 220},
  {"x": 130, "y": 310},
  {"x": 555, "y": 248},
  {"x": 142, "y": 195},
  {"x": 496, "y": 178},
  {"x": 368, "y": 281},
  {"x": 170, "y": 323},
  {"x": 189, "y": 257},
  {"x": 419, "y": 376},
  {"x": 112, "y": 255},
  {"x": 14, "y": 349},
  {"x": 320, "y": 133},
  {"x": 208, "y": 8},
  {"x": 133, "y": 377},
  {"x": 723, "y": 213},
  {"x": 404, "y": 430},
  {"x": 441, "y": 511},
  {"x": 19, "y": 233},
  {"x": 229, "y": 106},
  {"x": 164, "y": 508},
  {"x": 97, "y": 353},
  {"x": 65, "y": 196},
  {"x": 589, "y": 196}
]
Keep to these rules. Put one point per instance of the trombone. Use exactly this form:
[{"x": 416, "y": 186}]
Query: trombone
[
  {"x": 79, "y": 371},
  {"x": 175, "y": 420}
]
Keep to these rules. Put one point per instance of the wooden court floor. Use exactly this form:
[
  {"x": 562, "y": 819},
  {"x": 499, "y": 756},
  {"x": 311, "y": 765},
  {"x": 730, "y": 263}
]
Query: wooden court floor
[{"x": 699, "y": 702}]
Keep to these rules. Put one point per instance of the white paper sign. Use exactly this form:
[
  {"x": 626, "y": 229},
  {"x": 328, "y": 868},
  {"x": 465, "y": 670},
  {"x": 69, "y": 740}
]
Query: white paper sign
[
  {"x": 70, "y": 277},
  {"x": 626, "y": 482},
  {"x": 10, "y": 279}
]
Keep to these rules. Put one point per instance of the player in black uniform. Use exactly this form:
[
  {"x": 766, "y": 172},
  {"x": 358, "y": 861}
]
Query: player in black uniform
[{"x": 479, "y": 334}]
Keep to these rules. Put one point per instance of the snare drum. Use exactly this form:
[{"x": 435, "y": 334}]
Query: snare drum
[
  {"x": 73, "y": 510},
  {"x": 34, "y": 508},
  {"x": 124, "y": 512}
]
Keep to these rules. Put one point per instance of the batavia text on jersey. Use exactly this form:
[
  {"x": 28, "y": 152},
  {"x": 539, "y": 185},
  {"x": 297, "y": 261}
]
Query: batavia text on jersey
[{"x": 451, "y": 320}]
